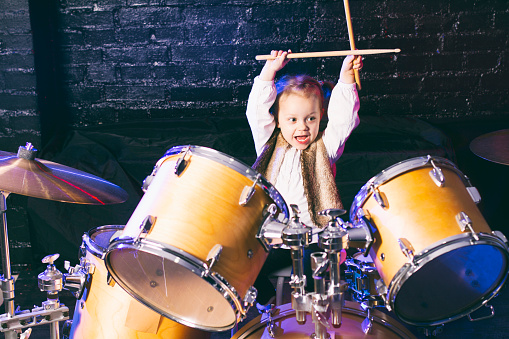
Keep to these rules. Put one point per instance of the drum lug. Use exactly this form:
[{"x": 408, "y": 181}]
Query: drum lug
[
  {"x": 500, "y": 235},
  {"x": 248, "y": 192},
  {"x": 250, "y": 297},
  {"x": 145, "y": 227},
  {"x": 381, "y": 288},
  {"x": 367, "y": 324},
  {"x": 491, "y": 315},
  {"x": 110, "y": 281},
  {"x": 182, "y": 163},
  {"x": 436, "y": 174},
  {"x": 464, "y": 222},
  {"x": 213, "y": 257},
  {"x": 474, "y": 194},
  {"x": 380, "y": 198},
  {"x": 406, "y": 248}
]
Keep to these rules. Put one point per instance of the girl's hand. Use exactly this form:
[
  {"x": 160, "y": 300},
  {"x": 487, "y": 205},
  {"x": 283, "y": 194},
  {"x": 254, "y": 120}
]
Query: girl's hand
[
  {"x": 272, "y": 66},
  {"x": 350, "y": 63}
]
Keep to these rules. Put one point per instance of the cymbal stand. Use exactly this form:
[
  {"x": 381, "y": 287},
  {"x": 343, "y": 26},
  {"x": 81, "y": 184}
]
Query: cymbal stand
[
  {"x": 7, "y": 280},
  {"x": 51, "y": 311}
]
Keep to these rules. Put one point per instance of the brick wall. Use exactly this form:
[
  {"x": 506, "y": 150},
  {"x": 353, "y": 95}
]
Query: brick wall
[
  {"x": 144, "y": 59},
  {"x": 19, "y": 117}
]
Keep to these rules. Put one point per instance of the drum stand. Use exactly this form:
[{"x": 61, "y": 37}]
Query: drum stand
[
  {"x": 51, "y": 311},
  {"x": 326, "y": 302}
]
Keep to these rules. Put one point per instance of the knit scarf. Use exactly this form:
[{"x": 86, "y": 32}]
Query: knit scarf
[{"x": 319, "y": 184}]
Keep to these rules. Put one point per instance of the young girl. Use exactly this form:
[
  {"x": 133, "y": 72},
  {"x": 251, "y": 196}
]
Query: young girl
[
  {"x": 293, "y": 154},
  {"x": 285, "y": 119}
]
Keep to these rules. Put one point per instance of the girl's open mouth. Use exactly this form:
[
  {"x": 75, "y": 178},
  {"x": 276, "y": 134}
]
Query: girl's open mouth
[{"x": 302, "y": 139}]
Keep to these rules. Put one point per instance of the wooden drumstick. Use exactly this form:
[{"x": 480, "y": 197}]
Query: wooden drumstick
[
  {"x": 330, "y": 53},
  {"x": 351, "y": 38}
]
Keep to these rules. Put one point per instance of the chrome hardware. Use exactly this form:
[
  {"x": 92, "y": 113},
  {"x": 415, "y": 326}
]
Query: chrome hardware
[
  {"x": 268, "y": 312},
  {"x": 148, "y": 223},
  {"x": 75, "y": 280},
  {"x": 406, "y": 248},
  {"x": 492, "y": 313},
  {"x": 145, "y": 227},
  {"x": 436, "y": 174},
  {"x": 248, "y": 192},
  {"x": 51, "y": 279},
  {"x": 270, "y": 231},
  {"x": 381, "y": 289},
  {"x": 474, "y": 194},
  {"x": 27, "y": 152},
  {"x": 380, "y": 198},
  {"x": 500, "y": 235},
  {"x": 333, "y": 213},
  {"x": 367, "y": 324},
  {"x": 361, "y": 236},
  {"x": 110, "y": 281},
  {"x": 181, "y": 163},
  {"x": 465, "y": 222},
  {"x": 250, "y": 297},
  {"x": 213, "y": 257}
]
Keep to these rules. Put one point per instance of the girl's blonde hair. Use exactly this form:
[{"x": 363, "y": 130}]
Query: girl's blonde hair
[{"x": 298, "y": 84}]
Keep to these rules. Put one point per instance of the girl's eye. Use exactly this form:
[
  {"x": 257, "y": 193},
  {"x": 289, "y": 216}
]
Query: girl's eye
[
  {"x": 292, "y": 119},
  {"x": 311, "y": 118}
]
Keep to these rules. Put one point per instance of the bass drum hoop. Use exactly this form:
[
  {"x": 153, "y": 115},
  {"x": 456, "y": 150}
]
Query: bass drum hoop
[
  {"x": 189, "y": 262},
  {"x": 434, "y": 251},
  {"x": 349, "y": 307}
]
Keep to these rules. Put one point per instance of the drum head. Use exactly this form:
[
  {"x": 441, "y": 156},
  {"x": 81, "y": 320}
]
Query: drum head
[
  {"x": 96, "y": 240},
  {"x": 286, "y": 326},
  {"x": 452, "y": 284},
  {"x": 172, "y": 283}
]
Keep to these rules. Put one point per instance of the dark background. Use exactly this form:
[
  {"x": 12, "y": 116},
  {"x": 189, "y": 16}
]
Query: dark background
[{"x": 107, "y": 86}]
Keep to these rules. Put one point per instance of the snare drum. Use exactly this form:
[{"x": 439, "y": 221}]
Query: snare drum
[
  {"x": 108, "y": 312},
  {"x": 285, "y": 325},
  {"x": 189, "y": 250},
  {"x": 434, "y": 251}
]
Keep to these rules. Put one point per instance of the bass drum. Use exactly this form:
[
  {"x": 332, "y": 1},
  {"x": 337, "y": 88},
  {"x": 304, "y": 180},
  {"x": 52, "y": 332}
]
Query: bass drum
[
  {"x": 285, "y": 325},
  {"x": 108, "y": 312}
]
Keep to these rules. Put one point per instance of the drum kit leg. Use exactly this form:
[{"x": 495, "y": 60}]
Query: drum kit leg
[{"x": 184, "y": 264}]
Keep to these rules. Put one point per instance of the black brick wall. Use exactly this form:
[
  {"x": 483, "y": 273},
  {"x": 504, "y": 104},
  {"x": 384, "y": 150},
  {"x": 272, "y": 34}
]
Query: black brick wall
[
  {"x": 19, "y": 117},
  {"x": 122, "y": 60}
]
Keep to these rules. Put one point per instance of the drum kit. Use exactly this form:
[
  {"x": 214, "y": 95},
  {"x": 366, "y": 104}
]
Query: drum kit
[{"x": 185, "y": 263}]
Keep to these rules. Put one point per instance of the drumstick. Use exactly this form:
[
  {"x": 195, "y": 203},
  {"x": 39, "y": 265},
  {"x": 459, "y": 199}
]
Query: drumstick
[
  {"x": 330, "y": 53},
  {"x": 351, "y": 38}
]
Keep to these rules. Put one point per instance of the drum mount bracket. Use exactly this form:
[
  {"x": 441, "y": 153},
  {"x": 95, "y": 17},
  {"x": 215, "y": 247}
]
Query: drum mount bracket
[{"x": 50, "y": 312}]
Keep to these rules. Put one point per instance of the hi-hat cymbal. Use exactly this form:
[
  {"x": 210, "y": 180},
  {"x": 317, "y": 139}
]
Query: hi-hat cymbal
[
  {"x": 493, "y": 146},
  {"x": 24, "y": 174}
]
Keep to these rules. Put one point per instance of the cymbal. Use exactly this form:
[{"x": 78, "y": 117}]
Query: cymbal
[
  {"x": 493, "y": 146},
  {"x": 24, "y": 174}
]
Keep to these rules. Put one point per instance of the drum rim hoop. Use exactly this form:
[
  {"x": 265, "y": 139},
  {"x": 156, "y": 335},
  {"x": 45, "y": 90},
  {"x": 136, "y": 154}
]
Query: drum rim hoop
[
  {"x": 236, "y": 165},
  {"x": 171, "y": 253},
  {"x": 349, "y": 307},
  {"x": 91, "y": 246},
  {"x": 397, "y": 169},
  {"x": 432, "y": 252}
]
